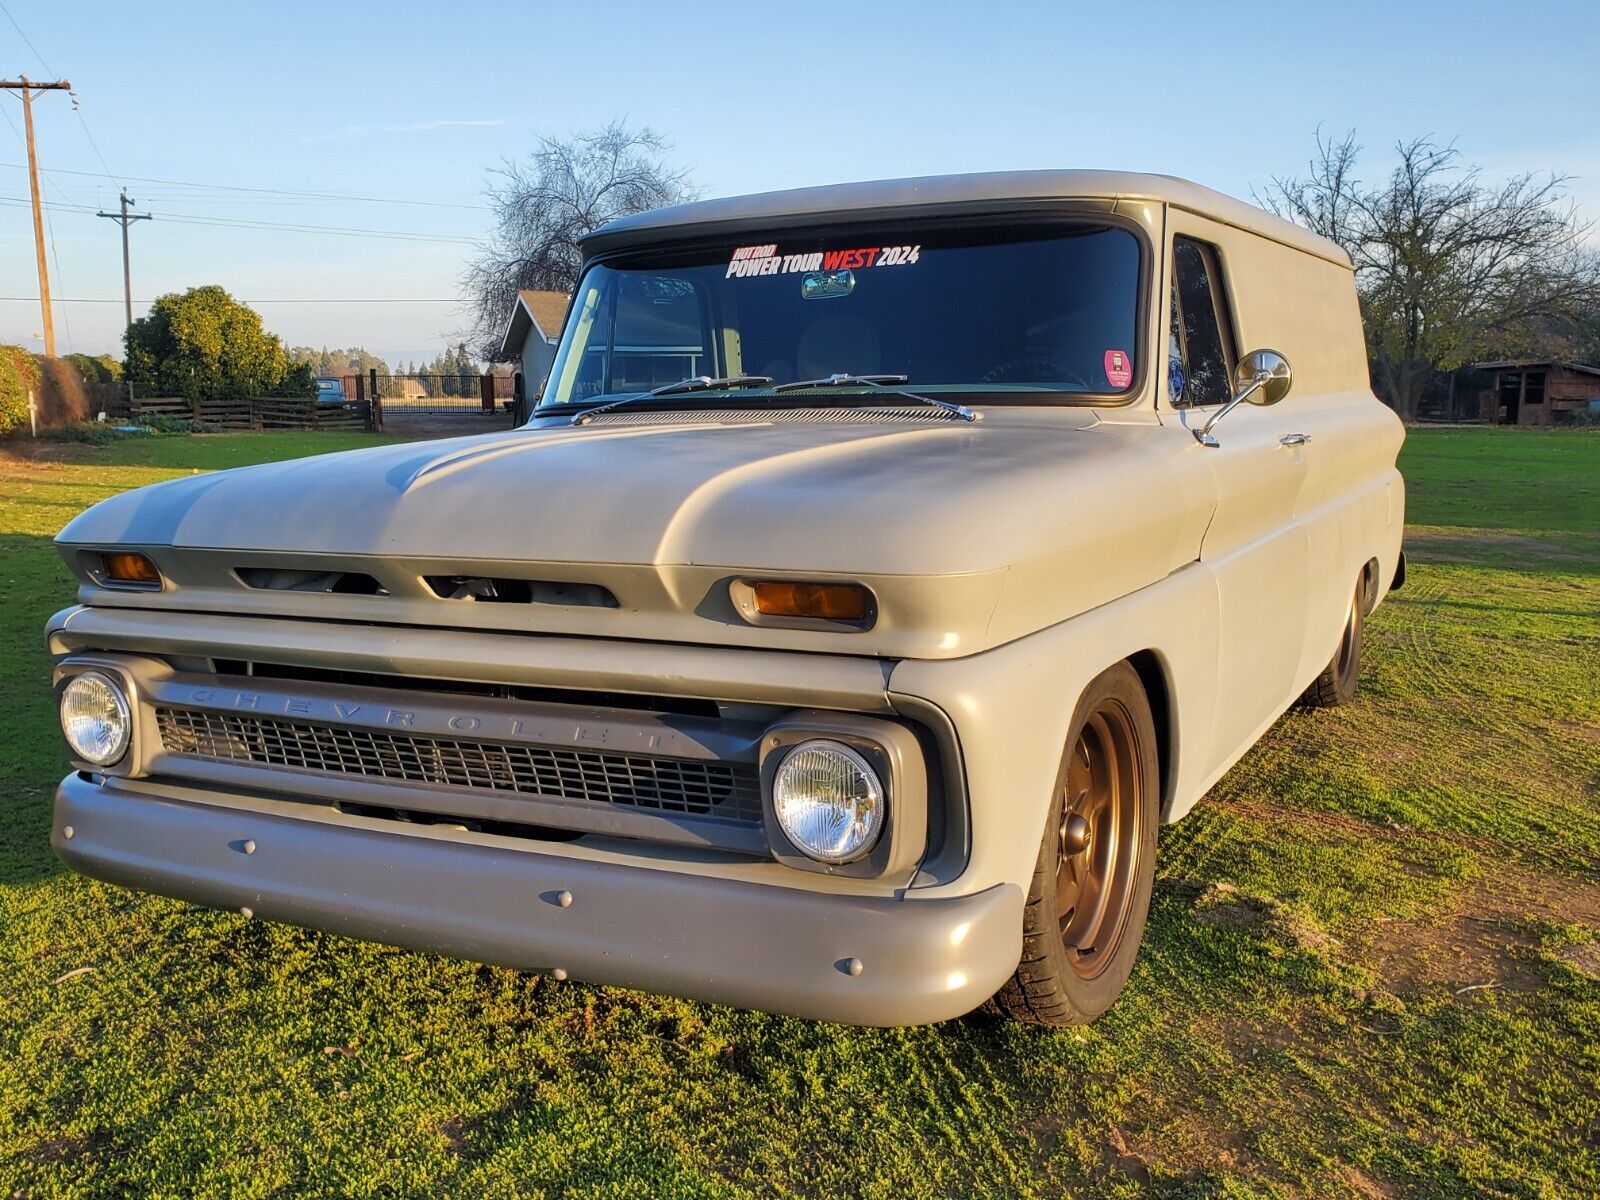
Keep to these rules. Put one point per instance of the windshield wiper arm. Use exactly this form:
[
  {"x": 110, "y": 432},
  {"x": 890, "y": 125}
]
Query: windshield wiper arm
[
  {"x": 695, "y": 383},
  {"x": 887, "y": 384}
]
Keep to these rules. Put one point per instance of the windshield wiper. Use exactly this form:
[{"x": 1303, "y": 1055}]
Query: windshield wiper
[
  {"x": 887, "y": 384},
  {"x": 695, "y": 383}
]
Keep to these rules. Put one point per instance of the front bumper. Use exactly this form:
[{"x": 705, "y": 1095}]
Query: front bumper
[{"x": 750, "y": 945}]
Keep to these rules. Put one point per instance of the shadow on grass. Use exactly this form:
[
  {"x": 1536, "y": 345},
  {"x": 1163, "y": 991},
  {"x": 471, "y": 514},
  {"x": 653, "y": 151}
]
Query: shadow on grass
[{"x": 36, "y": 583}]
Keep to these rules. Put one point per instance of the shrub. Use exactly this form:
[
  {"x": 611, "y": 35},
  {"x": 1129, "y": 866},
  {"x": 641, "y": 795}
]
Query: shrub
[
  {"x": 161, "y": 423},
  {"x": 97, "y": 369},
  {"x": 19, "y": 375},
  {"x": 64, "y": 395},
  {"x": 92, "y": 433}
]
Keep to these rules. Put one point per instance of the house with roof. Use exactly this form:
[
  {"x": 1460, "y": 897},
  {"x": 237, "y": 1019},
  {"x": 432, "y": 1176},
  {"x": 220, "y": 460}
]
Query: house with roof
[
  {"x": 1539, "y": 391},
  {"x": 530, "y": 342}
]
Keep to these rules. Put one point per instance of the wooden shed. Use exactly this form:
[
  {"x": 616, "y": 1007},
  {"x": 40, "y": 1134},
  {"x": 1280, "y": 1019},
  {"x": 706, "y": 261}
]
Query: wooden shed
[{"x": 1537, "y": 392}]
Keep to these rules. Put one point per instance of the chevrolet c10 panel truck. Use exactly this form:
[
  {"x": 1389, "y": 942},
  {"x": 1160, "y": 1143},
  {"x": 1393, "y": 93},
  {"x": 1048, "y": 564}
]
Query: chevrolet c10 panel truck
[{"x": 881, "y": 565}]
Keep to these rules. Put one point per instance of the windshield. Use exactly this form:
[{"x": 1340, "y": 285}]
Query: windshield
[{"x": 993, "y": 314}]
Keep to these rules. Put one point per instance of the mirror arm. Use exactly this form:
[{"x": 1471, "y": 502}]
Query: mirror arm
[{"x": 1203, "y": 434}]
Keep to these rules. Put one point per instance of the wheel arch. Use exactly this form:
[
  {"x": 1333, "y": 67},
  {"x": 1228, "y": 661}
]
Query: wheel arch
[
  {"x": 1154, "y": 674},
  {"x": 1371, "y": 572}
]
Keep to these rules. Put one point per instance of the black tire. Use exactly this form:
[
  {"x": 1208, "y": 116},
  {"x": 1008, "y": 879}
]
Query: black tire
[
  {"x": 1341, "y": 677},
  {"x": 1076, "y": 963}
]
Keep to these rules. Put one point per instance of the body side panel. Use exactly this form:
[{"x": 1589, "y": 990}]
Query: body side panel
[{"x": 1012, "y": 706}]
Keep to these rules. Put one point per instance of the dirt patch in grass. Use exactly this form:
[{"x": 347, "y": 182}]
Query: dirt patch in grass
[
  {"x": 1584, "y": 958},
  {"x": 1224, "y": 904},
  {"x": 1483, "y": 942},
  {"x": 58, "y": 1149},
  {"x": 1353, "y": 825},
  {"x": 1471, "y": 546},
  {"x": 1363, "y": 1184},
  {"x": 27, "y": 455}
]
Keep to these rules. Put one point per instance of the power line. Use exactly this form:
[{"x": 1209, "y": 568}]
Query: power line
[
  {"x": 229, "y": 187},
  {"x": 245, "y": 223},
  {"x": 66, "y": 321},
  {"x": 45, "y": 171},
  {"x": 94, "y": 145},
  {"x": 77, "y": 110},
  {"x": 25, "y": 41},
  {"x": 258, "y": 300},
  {"x": 25, "y": 87}
]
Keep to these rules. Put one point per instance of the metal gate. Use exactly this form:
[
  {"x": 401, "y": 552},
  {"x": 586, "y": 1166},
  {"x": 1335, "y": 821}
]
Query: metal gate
[{"x": 436, "y": 405}]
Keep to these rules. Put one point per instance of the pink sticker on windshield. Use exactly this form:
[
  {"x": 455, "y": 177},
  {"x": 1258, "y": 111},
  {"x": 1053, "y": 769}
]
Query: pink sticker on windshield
[{"x": 1118, "y": 369}]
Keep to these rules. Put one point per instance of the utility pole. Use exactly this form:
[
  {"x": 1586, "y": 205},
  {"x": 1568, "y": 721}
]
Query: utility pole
[
  {"x": 126, "y": 218},
  {"x": 27, "y": 87}
]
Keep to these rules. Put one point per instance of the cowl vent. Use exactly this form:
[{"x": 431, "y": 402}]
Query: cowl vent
[
  {"x": 492, "y": 590},
  {"x": 285, "y": 579}
]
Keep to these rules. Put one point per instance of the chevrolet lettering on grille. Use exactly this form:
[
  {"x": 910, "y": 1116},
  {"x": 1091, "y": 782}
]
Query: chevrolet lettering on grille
[{"x": 496, "y": 725}]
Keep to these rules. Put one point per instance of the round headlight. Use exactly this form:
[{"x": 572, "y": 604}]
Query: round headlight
[
  {"x": 829, "y": 801},
  {"x": 94, "y": 716}
]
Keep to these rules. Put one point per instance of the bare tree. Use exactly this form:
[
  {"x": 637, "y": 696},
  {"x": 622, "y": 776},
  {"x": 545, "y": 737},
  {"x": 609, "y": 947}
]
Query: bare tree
[
  {"x": 544, "y": 204},
  {"x": 1448, "y": 268}
]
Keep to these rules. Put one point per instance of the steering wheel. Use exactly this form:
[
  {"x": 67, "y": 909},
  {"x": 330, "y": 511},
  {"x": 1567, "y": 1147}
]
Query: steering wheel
[{"x": 1033, "y": 368}]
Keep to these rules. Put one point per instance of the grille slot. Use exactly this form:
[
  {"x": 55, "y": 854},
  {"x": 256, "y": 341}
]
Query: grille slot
[
  {"x": 285, "y": 579},
  {"x": 669, "y": 785}
]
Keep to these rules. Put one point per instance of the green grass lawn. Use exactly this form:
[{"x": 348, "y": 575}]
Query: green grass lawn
[{"x": 1371, "y": 968}]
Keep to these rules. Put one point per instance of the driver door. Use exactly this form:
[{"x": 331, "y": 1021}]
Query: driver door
[{"x": 1256, "y": 548}]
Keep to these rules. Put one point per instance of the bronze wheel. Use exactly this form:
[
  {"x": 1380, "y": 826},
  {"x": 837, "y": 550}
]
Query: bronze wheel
[
  {"x": 1090, "y": 893},
  {"x": 1339, "y": 679},
  {"x": 1097, "y": 842},
  {"x": 1347, "y": 661}
]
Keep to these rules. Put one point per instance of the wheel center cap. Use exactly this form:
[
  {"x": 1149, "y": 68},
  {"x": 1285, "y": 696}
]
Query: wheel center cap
[{"x": 1075, "y": 834}]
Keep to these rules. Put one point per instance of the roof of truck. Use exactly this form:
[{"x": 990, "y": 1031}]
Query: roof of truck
[{"x": 989, "y": 191}]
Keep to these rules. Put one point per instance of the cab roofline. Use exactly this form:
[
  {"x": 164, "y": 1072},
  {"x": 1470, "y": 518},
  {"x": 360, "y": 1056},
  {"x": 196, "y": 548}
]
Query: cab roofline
[{"x": 986, "y": 192}]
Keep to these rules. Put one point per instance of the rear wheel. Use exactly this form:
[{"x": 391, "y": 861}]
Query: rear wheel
[
  {"x": 1339, "y": 679},
  {"x": 1090, "y": 892}
]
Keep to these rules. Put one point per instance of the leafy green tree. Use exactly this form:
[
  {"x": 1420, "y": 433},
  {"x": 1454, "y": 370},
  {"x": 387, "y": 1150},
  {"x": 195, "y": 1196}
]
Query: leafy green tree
[{"x": 203, "y": 344}]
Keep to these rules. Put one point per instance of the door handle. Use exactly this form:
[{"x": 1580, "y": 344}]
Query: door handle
[{"x": 1294, "y": 439}]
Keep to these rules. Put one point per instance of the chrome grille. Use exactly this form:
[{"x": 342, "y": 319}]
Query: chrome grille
[{"x": 674, "y": 785}]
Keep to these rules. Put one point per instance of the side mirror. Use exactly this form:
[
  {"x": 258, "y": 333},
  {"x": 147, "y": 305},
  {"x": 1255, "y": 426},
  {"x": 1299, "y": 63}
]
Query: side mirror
[
  {"x": 1263, "y": 377},
  {"x": 1268, "y": 369}
]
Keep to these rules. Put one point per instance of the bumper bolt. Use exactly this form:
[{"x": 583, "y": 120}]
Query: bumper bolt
[
  {"x": 564, "y": 899},
  {"x": 850, "y": 966},
  {"x": 67, "y": 831},
  {"x": 246, "y": 912},
  {"x": 249, "y": 847},
  {"x": 559, "y": 975}
]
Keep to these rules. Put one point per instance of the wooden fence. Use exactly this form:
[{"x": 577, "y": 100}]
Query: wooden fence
[{"x": 257, "y": 412}]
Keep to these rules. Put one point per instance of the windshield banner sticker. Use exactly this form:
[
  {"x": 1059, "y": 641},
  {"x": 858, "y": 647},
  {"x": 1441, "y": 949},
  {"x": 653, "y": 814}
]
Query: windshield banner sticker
[{"x": 748, "y": 261}]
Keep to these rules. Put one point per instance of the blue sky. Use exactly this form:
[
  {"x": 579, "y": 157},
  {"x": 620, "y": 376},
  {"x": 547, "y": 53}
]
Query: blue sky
[{"x": 416, "y": 102}]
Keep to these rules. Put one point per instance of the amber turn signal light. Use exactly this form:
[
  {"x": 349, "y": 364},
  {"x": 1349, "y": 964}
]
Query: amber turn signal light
[
  {"x": 816, "y": 601},
  {"x": 131, "y": 568}
]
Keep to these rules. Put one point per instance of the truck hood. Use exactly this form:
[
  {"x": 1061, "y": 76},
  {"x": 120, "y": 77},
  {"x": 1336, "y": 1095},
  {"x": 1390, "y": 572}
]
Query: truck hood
[{"x": 939, "y": 514}]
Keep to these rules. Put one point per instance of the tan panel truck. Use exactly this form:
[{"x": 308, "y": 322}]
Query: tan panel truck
[{"x": 881, "y": 566}]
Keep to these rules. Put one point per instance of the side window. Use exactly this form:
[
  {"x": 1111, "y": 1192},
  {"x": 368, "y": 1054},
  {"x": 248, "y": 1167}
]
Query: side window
[
  {"x": 1199, "y": 346},
  {"x": 658, "y": 336}
]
